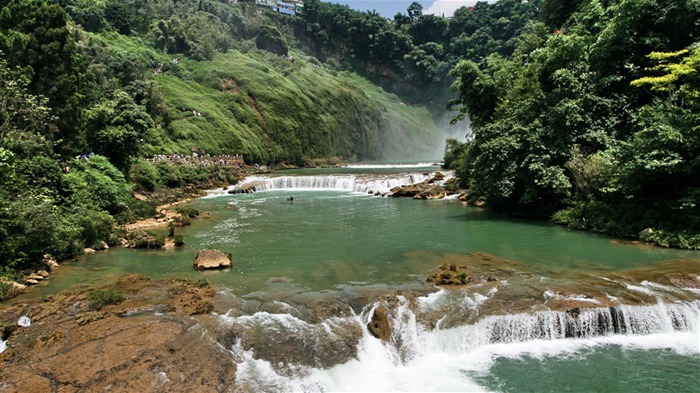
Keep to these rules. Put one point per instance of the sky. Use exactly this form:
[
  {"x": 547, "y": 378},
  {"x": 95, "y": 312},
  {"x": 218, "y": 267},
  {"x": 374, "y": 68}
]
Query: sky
[{"x": 389, "y": 8}]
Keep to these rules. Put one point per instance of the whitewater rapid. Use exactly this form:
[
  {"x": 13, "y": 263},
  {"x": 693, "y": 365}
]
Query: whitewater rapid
[
  {"x": 376, "y": 184},
  {"x": 420, "y": 358}
]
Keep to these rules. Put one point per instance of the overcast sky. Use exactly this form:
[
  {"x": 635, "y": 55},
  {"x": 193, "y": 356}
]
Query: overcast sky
[{"x": 389, "y": 8}]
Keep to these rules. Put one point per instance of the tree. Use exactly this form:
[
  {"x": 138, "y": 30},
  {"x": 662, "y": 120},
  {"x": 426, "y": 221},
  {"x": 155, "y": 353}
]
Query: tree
[
  {"x": 34, "y": 35},
  {"x": 272, "y": 40},
  {"x": 19, "y": 109},
  {"x": 415, "y": 10},
  {"x": 117, "y": 128}
]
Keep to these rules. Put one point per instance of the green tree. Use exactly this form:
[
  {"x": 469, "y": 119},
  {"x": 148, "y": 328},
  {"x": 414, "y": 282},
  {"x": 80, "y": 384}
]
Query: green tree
[
  {"x": 117, "y": 128},
  {"x": 34, "y": 35}
]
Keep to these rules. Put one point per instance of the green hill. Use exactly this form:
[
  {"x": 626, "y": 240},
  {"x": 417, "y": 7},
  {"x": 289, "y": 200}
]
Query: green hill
[{"x": 276, "y": 109}]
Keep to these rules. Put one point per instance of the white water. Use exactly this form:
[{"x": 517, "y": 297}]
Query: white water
[
  {"x": 417, "y": 358},
  {"x": 392, "y": 166},
  {"x": 366, "y": 184},
  {"x": 3, "y": 346}
]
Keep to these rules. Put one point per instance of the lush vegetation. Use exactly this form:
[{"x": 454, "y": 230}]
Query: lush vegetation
[
  {"x": 594, "y": 120},
  {"x": 90, "y": 88},
  {"x": 583, "y": 110}
]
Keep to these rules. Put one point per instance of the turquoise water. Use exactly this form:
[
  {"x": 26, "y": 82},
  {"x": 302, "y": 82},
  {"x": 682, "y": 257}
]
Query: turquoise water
[
  {"x": 325, "y": 239},
  {"x": 352, "y": 247}
]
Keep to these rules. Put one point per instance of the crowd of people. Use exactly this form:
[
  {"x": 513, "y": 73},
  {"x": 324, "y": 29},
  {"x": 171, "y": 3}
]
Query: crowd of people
[{"x": 227, "y": 160}]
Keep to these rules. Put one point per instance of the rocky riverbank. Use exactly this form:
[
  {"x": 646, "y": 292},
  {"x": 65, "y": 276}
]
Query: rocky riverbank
[{"x": 155, "y": 340}]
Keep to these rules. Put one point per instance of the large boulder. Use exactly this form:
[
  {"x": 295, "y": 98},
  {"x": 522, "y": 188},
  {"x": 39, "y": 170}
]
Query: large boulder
[{"x": 211, "y": 259}]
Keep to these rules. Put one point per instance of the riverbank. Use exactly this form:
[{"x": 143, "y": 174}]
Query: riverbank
[{"x": 158, "y": 339}]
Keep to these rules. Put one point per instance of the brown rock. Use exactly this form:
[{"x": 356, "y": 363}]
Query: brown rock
[
  {"x": 145, "y": 352},
  {"x": 379, "y": 325},
  {"x": 211, "y": 259}
]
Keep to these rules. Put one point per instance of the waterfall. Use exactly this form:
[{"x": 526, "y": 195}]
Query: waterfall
[
  {"x": 576, "y": 323},
  {"x": 380, "y": 184},
  {"x": 416, "y": 357}
]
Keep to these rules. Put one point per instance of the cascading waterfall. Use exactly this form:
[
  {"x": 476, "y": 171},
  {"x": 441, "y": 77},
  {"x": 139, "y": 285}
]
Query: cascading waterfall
[
  {"x": 368, "y": 183},
  {"x": 416, "y": 357}
]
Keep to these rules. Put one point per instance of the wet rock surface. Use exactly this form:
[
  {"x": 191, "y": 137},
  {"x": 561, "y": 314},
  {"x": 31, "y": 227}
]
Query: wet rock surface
[
  {"x": 70, "y": 348},
  {"x": 211, "y": 259}
]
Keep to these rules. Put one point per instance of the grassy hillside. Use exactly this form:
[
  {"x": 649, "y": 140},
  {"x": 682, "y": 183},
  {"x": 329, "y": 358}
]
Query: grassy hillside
[{"x": 274, "y": 109}]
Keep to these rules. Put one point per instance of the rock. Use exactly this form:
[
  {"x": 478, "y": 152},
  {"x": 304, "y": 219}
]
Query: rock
[
  {"x": 246, "y": 188},
  {"x": 388, "y": 309},
  {"x": 431, "y": 192},
  {"x": 42, "y": 273},
  {"x": 30, "y": 281},
  {"x": 17, "y": 286},
  {"x": 211, "y": 259},
  {"x": 645, "y": 234},
  {"x": 88, "y": 251},
  {"x": 100, "y": 246},
  {"x": 379, "y": 325},
  {"x": 438, "y": 177},
  {"x": 35, "y": 277},
  {"x": 684, "y": 280},
  {"x": 409, "y": 191},
  {"x": 49, "y": 261},
  {"x": 451, "y": 274}
]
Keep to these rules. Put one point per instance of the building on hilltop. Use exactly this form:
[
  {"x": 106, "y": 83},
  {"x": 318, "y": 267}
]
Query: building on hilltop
[{"x": 288, "y": 7}]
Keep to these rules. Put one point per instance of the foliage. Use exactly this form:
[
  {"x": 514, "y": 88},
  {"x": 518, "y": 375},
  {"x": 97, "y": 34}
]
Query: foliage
[
  {"x": 34, "y": 36},
  {"x": 100, "y": 298},
  {"x": 179, "y": 241},
  {"x": 271, "y": 39},
  {"x": 571, "y": 125}
]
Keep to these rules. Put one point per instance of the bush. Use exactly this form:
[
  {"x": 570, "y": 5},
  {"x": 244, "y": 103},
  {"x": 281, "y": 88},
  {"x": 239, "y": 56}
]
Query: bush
[
  {"x": 182, "y": 220},
  {"x": 100, "y": 298},
  {"x": 188, "y": 211},
  {"x": 179, "y": 241},
  {"x": 144, "y": 176},
  {"x": 143, "y": 239},
  {"x": 5, "y": 289}
]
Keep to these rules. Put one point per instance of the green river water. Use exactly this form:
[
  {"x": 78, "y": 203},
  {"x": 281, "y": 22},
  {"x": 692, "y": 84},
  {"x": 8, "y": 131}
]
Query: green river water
[{"x": 337, "y": 243}]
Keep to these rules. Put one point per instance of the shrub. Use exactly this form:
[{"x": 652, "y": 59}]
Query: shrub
[
  {"x": 182, "y": 221},
  {"x": 179, "y": 241},
  {"x": 100, "y": 298},
  {"x": 5, "y": 289},
  {"x": 146, "y": 240},
  {"x": 144, "y": 176},
  {"x": 188, "y": 211}
]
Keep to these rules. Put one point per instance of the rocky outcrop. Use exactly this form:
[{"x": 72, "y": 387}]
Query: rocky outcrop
[
  {"x": 246, "y": 188},
  {"x": 379, "y": 325},
  {"x": 428, "y": 189},
  {"x": 452, "y": 274},
  {"x": 69, "y": 348},
  {"x": 388, "y": 310},
  {"x": 211, "y": 259}
]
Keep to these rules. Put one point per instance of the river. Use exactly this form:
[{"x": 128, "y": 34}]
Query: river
[{"x": 316, "y": 251}]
